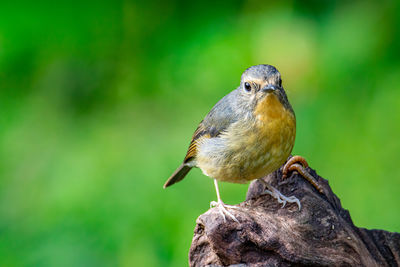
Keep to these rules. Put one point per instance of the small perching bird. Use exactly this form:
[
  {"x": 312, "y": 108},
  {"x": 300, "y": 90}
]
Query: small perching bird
[{"x": 248, "y": 134}]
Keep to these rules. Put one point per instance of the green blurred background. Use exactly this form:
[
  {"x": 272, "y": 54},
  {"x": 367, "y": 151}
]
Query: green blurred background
[{"x": 99, "y": 100}]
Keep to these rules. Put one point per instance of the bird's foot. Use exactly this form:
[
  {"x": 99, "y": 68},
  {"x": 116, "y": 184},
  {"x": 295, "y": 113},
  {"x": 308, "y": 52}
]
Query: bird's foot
[
  {"x": 282, "y": 198},
  {"x": 299, "y": 164},
  {"x": 223, "y": 209},
  {"x": 278, "y": 195}
]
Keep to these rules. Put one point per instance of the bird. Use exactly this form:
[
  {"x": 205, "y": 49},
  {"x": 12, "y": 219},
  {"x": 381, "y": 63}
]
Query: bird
[{"x": 248, "y": 134}]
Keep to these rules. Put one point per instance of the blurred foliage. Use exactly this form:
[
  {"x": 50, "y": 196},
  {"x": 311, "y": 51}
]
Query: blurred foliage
[{"x": 99, "y": 100}]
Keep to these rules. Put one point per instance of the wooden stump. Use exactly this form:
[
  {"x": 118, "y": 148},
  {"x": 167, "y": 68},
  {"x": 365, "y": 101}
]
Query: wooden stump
[{"x": 320, "y": 234}]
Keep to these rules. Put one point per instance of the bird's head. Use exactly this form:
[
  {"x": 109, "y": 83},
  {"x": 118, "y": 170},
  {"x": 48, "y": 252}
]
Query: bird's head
[{"x": 259, "y": 81}]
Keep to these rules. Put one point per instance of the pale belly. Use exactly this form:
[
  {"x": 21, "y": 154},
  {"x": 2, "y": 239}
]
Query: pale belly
[{"x": 248, "y": 152}]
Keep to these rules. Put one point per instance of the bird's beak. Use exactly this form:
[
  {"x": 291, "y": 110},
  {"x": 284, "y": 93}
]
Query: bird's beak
[{"x": 269, "y": 88}]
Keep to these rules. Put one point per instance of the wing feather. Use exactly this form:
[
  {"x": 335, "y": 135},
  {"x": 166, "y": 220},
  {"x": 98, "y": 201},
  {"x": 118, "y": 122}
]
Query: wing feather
[
  {"x": 217, "y": 120},
  {"x": 201, "y": 132}
]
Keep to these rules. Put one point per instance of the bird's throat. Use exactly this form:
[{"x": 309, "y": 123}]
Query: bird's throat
[{"x": 270, "y": 107}]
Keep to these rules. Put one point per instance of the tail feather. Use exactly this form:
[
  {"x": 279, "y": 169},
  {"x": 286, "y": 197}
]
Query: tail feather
[{"x": 178, "y": 175}]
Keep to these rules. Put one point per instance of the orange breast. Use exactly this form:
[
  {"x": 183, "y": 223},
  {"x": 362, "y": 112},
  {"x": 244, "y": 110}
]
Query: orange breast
[{"x": 277, "y": 130}]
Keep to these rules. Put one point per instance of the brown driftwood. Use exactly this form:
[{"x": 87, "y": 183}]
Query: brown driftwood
[{"x": 320, "y": 234}]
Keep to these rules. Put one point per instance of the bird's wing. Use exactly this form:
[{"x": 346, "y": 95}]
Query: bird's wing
[
  {"x": 217, "y": 120},
  {"x": 201, "y": 132}
]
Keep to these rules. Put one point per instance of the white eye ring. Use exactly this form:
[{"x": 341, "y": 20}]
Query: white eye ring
[{"x": 247, "y": 87}]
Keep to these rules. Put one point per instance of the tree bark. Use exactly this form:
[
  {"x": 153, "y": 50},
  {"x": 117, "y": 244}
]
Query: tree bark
[{"x": 320, "y": 234}]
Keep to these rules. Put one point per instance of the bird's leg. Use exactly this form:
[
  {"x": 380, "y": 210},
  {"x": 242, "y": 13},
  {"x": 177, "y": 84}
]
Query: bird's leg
[
  {"x": 278, "y": 195},
  {"x": 293, "y": 165},
  {"x": 221, "y": 206}
]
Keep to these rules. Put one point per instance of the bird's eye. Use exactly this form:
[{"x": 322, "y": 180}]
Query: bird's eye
[
  {"x": 247, "y": 87},
  {"x": 280, "y": 83}
]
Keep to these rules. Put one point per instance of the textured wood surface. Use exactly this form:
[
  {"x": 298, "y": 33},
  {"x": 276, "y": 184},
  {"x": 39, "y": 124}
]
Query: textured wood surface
[{"x": 320, "y": 234}]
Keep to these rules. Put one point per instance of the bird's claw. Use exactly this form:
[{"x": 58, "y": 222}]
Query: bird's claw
[
  {"x": 222, "y": 209},
  {"x": 282, "y": 198}
]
